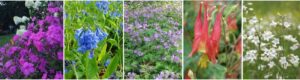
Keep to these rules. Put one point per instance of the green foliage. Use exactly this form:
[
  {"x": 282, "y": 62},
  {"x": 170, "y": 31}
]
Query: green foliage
[{"x": 147, "y": 59}]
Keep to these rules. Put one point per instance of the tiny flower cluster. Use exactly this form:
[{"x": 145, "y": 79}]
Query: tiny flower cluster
[
  {"x": 271, "y": 48},
  {"x": 152, "y": 37}
]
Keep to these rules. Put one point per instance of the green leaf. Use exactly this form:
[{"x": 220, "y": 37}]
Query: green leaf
[
  {"x": 91, "y": 69},
  {"x": 112, "y": 41},
  {"x": 112, "y": 67},
  {"x": 102, "y": 54}
]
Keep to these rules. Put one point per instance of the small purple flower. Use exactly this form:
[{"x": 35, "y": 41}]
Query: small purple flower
[
  {"x": 12, "y": 50},
  {"x": 23, "y": 52},
  {"x": 54, "y": 9},
  {"x": 2, "y": 50},
  {"x": 147, "y": 39},
  {"x": 42, "y": 65},
  {"x": 16, "y": 37},
  {"x": 21, "y": 60},
  {"x": 44, "y": 76},
  {"x": 166, "y": 75},
  {"x": 131, "y": 75},
  {"x": 175, "y": 58},
  {"x": 58, "y": 75},
  {"x": 41, "y": 23},
  {"x": 60, "y": 55},
  {"x": 12, "y": 69},
  {"x": 27, "y": 68},
  {"x": 33, "y": 58},
  {"x": 179, "y": 51},
  {"x": 8, "y": 64},
  {"x": 137, "y": 52}
]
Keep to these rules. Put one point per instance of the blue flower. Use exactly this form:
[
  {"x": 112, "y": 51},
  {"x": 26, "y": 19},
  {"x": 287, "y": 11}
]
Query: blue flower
[
  {"x": 87, "y": 40},
  {"x": 78, "y": 33},
  {"x": 84, "y": 13},
  {"x": 115, "y": 14},
  {"x": 121, "y": 28},
  {"x": 91, "y": 54},
  {"x": 100, "y": 34},
  {"x": 106, "y": 62},
  {"x": 103, "y": 6},
  {"x": 88, "y": 2}
]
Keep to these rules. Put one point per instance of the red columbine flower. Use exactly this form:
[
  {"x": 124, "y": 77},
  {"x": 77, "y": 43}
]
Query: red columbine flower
[
  {"x": 238, "y": 46},
  {"x": 231, "y": 23},
  {"x": 200, "y": 32},
  {"x": 202, "y": 41}
]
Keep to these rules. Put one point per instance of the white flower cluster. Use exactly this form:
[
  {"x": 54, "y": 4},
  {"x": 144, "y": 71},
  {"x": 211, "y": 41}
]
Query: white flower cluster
[
  {"x": 21, "y": 30},
  {"x": 33, "y": 4},
  {"x": 270, "y": 44},
  {"x": 18, "y": 20}
]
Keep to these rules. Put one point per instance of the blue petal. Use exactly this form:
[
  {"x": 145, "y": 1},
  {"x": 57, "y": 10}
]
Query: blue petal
[
  {"x": 100, "y": 34},
  {"x": 91, "y": 54},
  {"x": 107, "y": 62}
]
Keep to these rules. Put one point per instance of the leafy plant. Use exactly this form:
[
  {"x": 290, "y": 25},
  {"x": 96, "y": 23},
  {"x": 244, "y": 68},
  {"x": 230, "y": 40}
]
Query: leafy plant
[
  {"x": 152, "y": 40},
  {"x": 216, "y": 47},
  {"x": 271, "y": 40},
  {"x": 93, "y": 39}
]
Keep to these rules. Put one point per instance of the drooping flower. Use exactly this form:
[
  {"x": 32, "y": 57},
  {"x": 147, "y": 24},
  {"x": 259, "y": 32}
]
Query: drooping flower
[
  {"x": 103, "y": 6},
  {"x": 91, "y": 55},
  {"x": 100, "y": 34},
  {"x": 202, "y": 41},
  {"x": 86, "y": 39},
  {"x": 238, "y": 46},
  {"x": 199, "y": 31},
  {"x": 231, "y": 23}
]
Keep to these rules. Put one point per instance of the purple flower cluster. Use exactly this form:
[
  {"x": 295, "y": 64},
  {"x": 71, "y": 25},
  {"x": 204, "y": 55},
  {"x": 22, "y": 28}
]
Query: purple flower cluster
[
  {"x": 165, "y": 36},
  {"x": 38, "y": 53},
  {"x": 166, "y": 75}
]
